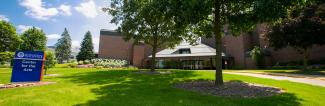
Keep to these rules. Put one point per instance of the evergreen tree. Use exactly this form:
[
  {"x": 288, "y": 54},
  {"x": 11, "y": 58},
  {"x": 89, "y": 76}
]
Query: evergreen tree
[
  {"x": 63, "y": 47},
  {"x": 34, "y": 40},
  {"x": 87, "y": 48}
]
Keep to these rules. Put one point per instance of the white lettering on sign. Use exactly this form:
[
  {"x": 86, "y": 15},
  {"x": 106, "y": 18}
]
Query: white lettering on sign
[
  {"x": 28, "y": 62},
  {"x": 28, "y": 65},
  {"x": 33, "y": 56}
]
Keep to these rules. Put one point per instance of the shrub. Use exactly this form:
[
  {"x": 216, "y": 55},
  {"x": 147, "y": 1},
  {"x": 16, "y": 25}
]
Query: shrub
[
  {"x": 4, "y": 65},
  {"x": 72, "y": 61},
  {"x": 237, "y": 68},
  {"x": 110, "y": 63},
  {"x": 72, "y": 65},
  {"x": 258, "y": 57},
  {"x": 50, "y": 59},
  {"x": 286, "y": 67},
  {"x": 6, "y": 57},
  {"x": 80, "y": 62},
  {"x": 86, "y": 62}
]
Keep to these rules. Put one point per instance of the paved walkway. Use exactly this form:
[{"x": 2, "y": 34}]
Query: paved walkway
[{"x": 305, "y": 80}]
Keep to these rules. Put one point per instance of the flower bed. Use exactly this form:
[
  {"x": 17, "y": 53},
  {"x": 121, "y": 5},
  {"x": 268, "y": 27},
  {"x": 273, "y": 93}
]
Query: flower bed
[{"x": 109, "y": 63}]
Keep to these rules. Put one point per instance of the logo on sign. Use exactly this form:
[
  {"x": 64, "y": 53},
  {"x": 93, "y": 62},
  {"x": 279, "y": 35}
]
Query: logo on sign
[{"x": 21, "y": 54}]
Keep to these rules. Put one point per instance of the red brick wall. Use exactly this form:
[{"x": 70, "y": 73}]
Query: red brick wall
[
  {"x": 235, "y": 47},
  {"x": 290, "y": 54},
  {"x": 138, "y": 55},
  {"x": 114, "y": 47}
]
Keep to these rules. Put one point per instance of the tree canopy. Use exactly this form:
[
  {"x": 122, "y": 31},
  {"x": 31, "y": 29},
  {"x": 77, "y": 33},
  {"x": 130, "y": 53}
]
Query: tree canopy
[
  {"x": 63, "y": 47},
  {"x": 146, "y": 21},
  {"x": 300, "y": 32},
  {"x": 209, "y": 18},
  {"x": 303, "y": 30},
  {"x": 9, "y": 40},
  {"x": 87, "y": 49},
  {"x": 33, "y": 39},
  {"x": 197, "y": 18}
]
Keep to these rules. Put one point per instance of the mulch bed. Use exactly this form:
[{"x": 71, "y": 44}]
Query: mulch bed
[
  {"x": 30, "y": 84},
  {"x": 230, "y": 89}
]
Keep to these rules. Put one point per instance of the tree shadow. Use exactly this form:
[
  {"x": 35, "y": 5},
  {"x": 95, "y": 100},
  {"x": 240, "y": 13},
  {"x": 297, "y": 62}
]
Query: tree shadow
[{"x": 119, "y": 88}]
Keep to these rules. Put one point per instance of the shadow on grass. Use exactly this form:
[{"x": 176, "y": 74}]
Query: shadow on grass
[{"x": 125, "y": 88}]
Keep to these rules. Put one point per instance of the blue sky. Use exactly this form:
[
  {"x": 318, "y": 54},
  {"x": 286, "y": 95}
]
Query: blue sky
[{"x": 78, "y": 16}]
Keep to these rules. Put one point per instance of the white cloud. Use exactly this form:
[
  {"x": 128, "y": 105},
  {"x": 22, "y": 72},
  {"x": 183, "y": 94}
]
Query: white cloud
[
  {"x": 65, "y": 10},
  {"x": 96, "y": 43},
  {"x": 88, "y": 9},
  {"x": 94, "y": 26},
  {"x": 75, "y": 45},
  {"x": 53, "y": 36},
  {"x": 36, "y": 9},
  {"x": 23, "y": 28},
  {"x": 5, "y": 18}
]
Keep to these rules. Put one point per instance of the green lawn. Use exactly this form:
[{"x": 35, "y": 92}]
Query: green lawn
[
  {"x": 124, "y": 88},
  {"x": 320, "y": 72}
]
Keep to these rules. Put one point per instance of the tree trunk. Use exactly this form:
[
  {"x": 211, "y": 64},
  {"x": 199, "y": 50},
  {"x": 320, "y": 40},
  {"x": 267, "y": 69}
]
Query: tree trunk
[
  {"x": 305, "y": 59},
  {"x": 61, "y": 61},
  {"x": 131, "y": 55},
  {"x": 218, "y": 41},
  {"x": 68, "y": 59},
  {"x": 154, "y": 50}
]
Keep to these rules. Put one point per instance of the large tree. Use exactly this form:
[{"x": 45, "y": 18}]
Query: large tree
[
  {"x": 303, "y": 30},
  {"x": 9, "y": 41},
  {"x": 33, "y": 39},
  {"x": 63, "y": 47},
  {"x": 209, "y": 18},
  {"x": 146, "y": 21},
  {"x": 87, "y": 49}
]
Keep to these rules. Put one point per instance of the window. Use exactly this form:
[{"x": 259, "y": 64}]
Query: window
[{"x": 184, "y": 51}]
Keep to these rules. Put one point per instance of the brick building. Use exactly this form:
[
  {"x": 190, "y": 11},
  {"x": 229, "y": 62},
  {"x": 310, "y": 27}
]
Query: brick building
[{"x": 235, "y": 51}]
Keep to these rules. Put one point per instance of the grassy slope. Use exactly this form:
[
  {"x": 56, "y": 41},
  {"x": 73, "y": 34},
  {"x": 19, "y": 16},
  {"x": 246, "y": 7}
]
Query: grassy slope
[{"x": 93, "y": 87}]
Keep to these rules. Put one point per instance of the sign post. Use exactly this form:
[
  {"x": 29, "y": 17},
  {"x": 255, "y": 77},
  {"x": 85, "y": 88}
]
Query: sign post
[{"x": 28, "y": 66}]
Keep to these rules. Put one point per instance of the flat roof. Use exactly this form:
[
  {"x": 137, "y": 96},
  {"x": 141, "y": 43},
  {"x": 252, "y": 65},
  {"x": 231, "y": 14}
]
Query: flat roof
[{"x": 109, "y": 32}]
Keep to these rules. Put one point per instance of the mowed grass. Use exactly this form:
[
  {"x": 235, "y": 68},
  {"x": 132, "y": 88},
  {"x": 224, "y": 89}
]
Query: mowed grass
[
  {"x": 124, "y": 88},
  {"x": 319, "y": 72}
]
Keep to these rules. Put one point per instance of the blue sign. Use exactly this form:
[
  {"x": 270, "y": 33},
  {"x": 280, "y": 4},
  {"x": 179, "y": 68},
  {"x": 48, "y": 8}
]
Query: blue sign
[{"x": 28, "y": 66}]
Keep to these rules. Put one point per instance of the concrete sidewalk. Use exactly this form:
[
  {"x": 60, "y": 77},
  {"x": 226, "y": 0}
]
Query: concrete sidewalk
[{"x": 305, "y": 80}]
